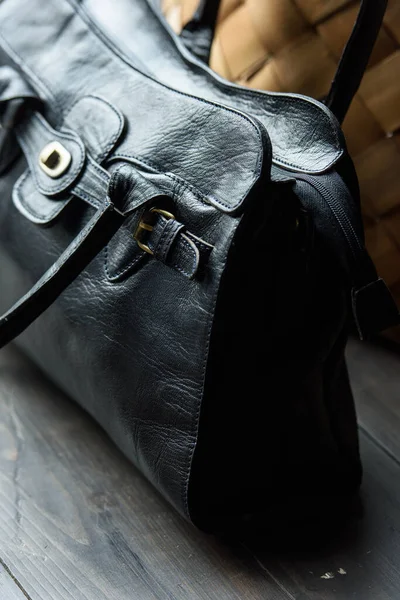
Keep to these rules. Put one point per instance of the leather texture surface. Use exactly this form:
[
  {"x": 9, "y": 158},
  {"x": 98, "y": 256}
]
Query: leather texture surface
[{"x": 288, "y": 118}]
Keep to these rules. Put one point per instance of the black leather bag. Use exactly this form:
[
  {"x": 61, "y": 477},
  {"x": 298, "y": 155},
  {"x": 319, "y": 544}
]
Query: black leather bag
[{"x": 204, "y": 263}]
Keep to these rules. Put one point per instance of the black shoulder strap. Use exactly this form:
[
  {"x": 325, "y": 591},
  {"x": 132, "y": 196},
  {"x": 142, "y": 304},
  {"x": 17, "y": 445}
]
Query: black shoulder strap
[
  {"x": 197, "y": 36},
  {"x": 64, "y": 271},
  {"x": 17, "y": 103},
  {"x": 355, "y": 57}
]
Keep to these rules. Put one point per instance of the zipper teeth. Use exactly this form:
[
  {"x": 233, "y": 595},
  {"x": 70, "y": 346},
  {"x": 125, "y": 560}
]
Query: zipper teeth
[{"x": 338, "y": 213}]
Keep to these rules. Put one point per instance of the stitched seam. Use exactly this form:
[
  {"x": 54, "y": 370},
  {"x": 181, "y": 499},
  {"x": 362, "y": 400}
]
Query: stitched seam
[
  {"x": 287, "y": 163},
  {"x": 101, "y": 155},
  {"x": 204, "y": 245},
  {"x": 18, "y": 190},
  {"x": 183, "y": 184},
  {"x": 113, "y": 179},
  {"x": 89, "y": 199},
  {"x": 121, "y": 272},
  {"x": 164, "y": 239},
  {"x": 194, "y": 261},
  {"x": 96, "y": 171},
  {"x": 27, "y": 147},
  {"x": 178, "y": 268},
  {"x": 115, "y": 137},
  {"x": 102, "y": 174}
]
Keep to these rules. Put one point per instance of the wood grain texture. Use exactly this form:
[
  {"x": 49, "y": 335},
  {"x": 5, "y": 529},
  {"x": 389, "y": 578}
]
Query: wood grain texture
[
  {"x": 9, "y": 588},
  {"x": 77, "y": 521},
  {"x": 375, "y": 370}
]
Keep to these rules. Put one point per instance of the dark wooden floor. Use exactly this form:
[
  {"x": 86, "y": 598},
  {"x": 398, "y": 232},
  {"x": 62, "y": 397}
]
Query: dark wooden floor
[{"x": 77, "y": 521}]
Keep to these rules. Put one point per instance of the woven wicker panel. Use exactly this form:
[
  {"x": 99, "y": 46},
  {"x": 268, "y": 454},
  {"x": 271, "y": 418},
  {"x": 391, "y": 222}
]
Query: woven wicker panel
[{"x": 295, "y": 46}]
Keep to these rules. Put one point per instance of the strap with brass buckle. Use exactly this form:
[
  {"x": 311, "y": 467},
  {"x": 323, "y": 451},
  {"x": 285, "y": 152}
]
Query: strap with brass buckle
[{"x": 143, "y": 226}]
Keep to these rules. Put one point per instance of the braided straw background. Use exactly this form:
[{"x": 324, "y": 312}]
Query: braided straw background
[{"x": 295, "y": 46}]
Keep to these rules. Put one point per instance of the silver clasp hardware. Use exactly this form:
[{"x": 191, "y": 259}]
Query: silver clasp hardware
[{"x": 54, "y": 159}]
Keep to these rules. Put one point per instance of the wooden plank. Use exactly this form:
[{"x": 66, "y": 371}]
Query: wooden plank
[
  {"x": 9, "y": 588},
  {"x": 368, "y": 550},
  {"x": 361, "y": 560},
  {"x": 375, "y": 377},
  {"x": 78, "y": 521}
]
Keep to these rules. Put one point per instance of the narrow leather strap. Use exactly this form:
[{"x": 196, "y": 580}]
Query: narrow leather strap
[
  {"x": 178, "y": 248},
  {"x": 93, "y": 237},
  {"x": 355, "y": 57},
  {"x": 200, "y": 31}
]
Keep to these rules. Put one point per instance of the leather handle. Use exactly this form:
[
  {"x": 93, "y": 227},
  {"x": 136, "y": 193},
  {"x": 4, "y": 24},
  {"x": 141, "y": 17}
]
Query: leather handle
[
  {"x": 197, "y": 36},
  {"x": 93, "y": 237},
  {"x": 198, "y": 33}
]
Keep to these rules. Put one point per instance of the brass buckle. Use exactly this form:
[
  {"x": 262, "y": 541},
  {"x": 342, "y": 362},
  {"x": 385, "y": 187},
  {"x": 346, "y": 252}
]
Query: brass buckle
[{"x": 143, "y": 226}]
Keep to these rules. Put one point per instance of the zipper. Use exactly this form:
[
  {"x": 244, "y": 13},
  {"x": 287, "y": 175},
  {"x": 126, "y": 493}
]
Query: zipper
[
  {"x": 373, "y": 306},
  {"x": 355, "y": 245}
]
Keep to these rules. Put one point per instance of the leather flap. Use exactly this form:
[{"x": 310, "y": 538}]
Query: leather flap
[
  {"x": 13, "y": 87},
  {"x": 219, "y": 152},
  {"x": 305, "y": 135},
  {"x": 100, "y": 125}
]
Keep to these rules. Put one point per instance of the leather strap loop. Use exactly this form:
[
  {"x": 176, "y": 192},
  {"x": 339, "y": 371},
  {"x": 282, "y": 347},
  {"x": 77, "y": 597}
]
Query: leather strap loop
[{"x": 197, "y": 36}]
